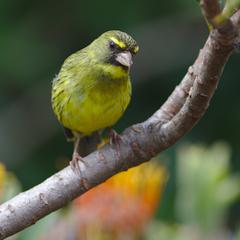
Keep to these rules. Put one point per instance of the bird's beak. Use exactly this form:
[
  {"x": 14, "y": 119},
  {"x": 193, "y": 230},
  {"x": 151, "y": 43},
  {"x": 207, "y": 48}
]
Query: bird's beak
[{"x": 125, "y": 59}]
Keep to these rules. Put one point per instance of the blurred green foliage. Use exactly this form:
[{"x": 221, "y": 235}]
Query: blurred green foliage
[
  {"x": 205, "y": 186},
  {"x": 36, "y": 37},
  {"x": 205, "y": 190}
]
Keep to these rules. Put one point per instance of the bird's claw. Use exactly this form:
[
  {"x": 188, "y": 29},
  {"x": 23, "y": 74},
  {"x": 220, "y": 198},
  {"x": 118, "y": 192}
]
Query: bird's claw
[
  {"x": 115, "y": 139},
  {"x": 74, "y": 163},
  {"x": 76, "y": 168}
]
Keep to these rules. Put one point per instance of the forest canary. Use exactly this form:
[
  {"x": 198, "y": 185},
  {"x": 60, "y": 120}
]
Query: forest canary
[{"x": 93, "y": 88}]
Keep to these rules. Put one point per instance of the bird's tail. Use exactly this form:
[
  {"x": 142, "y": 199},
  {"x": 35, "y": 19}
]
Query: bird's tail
[{"x": 88, "y": 144}]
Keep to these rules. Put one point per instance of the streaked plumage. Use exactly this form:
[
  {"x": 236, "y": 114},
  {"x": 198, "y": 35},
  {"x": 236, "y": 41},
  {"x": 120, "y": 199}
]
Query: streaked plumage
[
  {"x": 89, "y": 92},
  {"x": 93, "y": 88}
]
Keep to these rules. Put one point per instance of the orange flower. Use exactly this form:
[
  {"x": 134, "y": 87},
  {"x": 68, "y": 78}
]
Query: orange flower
[
  {"x": 123, "y": 204},
  {"x": 118, "y": 209}
]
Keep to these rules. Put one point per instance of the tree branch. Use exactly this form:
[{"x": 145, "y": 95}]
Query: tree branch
[
  {"x": 210, "y": 9},
  {"x": 185, "y": 106}
]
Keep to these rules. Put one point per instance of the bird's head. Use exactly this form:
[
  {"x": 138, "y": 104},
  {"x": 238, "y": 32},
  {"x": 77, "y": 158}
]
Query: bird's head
[{"x": 115, "y": 48}]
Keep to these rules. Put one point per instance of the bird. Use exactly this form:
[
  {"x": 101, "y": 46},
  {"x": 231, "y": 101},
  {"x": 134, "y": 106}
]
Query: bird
[{"x": 93, "y": 89}]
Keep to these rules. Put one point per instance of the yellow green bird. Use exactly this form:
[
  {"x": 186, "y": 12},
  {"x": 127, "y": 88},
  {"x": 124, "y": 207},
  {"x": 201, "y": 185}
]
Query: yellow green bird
[{"x": 93, "y": 88}]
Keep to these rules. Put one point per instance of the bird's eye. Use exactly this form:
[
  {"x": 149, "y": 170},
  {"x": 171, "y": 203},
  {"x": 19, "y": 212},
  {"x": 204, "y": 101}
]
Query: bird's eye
[{"x": 112, "y": 44}]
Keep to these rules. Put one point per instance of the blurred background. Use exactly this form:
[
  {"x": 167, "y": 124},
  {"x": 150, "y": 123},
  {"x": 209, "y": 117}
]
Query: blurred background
[{"x": 194, "y": 185}]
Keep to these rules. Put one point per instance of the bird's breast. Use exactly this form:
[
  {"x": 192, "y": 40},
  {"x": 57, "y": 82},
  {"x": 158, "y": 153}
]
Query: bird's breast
[{"x": 98, "y": 106}]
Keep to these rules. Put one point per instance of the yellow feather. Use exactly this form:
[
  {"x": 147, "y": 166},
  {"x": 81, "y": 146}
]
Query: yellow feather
[
  {"x": 90, "y": 93},
  {"x": 100, "y": 106},
  {"x": 119, "y": 43}
]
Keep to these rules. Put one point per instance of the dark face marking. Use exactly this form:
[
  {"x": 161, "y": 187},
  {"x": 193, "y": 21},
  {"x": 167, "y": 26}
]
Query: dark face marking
[{"x": 115, "y": 49}]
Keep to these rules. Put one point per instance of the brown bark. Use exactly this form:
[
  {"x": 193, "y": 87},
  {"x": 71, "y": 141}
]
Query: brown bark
[{"x": 185, "y": 106}]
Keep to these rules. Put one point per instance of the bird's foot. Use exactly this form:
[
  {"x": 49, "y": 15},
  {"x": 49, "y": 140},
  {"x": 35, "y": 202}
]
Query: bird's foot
[
  {"x": 74, "y": 163},
  {"x": 115, "y": 139},
  {"x": 76, "y": 168}
]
